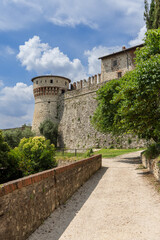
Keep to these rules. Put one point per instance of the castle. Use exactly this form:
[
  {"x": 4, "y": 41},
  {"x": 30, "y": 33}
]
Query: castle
[{"x": 71, "y": 106}]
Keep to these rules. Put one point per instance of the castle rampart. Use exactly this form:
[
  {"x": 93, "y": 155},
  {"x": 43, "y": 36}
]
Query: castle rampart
[{"x": 72, "y": 107}]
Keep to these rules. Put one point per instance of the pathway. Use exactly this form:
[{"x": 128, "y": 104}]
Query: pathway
[{"x": 117, "y": 203}]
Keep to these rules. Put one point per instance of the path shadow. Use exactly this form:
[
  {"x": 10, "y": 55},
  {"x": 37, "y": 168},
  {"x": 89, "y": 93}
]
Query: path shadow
[
  {"x": 131, "y": 160},
  {"x": 144, "y": 173},
  {"x": 55, "y": 225}
]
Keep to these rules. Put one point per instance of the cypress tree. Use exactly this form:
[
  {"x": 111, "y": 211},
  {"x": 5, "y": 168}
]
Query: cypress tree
[
  {"x": 146, "y": 13},
  {"x": 151, "y": 15},
  {"x": 156, "y": 23}
]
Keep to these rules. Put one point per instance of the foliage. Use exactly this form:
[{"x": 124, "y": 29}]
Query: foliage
[
  {"x": 152, "y": 14},
  {"x": 157, "y": 15},
  {"x": 13, "y": 137},
  {"x": 152, "y": 151},
  {"x": 35, "y": 154},
  {"x": 104, "y": 117},
  {"x": 8, "y": 163},
  {"x": 132, "y": 104},
  {"x": 88, "y": 153},
  {"x": 49, "y": 130}
]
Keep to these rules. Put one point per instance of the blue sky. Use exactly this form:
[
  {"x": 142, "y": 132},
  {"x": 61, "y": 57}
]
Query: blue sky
[{"x": 61, "y": 37}]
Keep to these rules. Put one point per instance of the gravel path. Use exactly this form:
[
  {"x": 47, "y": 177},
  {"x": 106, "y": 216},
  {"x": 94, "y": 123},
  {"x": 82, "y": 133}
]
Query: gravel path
[{"x": 117, "y": 203}]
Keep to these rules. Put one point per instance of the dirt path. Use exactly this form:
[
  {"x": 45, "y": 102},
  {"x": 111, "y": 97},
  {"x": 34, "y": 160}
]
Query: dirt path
[{"x": 117, "y": 203}]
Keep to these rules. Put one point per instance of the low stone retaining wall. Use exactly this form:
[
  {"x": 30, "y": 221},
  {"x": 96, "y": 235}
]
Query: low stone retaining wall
[
  {"x": 152, "y": 165},
  {"x": 26, "y": 202}
]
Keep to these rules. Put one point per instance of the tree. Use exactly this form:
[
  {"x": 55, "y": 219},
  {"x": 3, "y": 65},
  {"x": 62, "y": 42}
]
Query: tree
[
  {"x": 13, "y": 137},
  {"x": 137, "y": 98},
  {"x": 104, "y": 116},
  {"x": 146, "y": 14},
  {"x": 156, "y": 23},
  {"x": 35, "y": 154},
  {"x": 8, "y": 163},
  {"x": 49, "y": 130},
  {"x": 152, "y": 14}
]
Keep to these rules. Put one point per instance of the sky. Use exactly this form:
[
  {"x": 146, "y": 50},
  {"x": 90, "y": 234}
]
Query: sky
[{"x": 59, "y": 37}]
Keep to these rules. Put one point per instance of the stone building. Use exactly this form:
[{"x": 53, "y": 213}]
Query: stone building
[
  {"x": 115, "y": 65},
  {"x": 72, "y": 106}
]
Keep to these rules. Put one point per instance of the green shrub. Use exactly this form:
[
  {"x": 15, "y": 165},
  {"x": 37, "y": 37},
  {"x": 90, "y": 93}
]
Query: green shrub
[
  {"x": 152, "y": 151},
  {"x": 9, "y": 169},
  {"x": 49, "y": 130},
  {"x": 35, "y": 154}
]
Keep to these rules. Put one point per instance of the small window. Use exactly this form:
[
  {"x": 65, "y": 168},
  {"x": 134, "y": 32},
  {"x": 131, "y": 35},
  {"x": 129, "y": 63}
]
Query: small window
[
  {"x": 63, "y": 91},
  {"x": 114, "y": 63},
  {"x": 48, "y": 101},
  {"x": 56, "y": 80},
  {"x": 66, "y": 83},
  {"x": 119, "y": 74},
  {"x": 45, "y": 80},
  {"x": 51, "y": 81},
  {"x": 36, "y": 82}
]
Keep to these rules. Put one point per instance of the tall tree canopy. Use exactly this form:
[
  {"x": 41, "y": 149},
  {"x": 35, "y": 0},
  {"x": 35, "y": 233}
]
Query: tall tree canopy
[
  {"x": 132, "y": 104},
  {"x": 152, "y": 14}
]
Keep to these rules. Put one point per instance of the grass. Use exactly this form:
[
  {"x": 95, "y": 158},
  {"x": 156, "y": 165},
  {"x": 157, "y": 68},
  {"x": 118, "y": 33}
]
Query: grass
[
  {"x": 106, "y": 153},
  {"x": 68, "y": 156},
  {"x": 110, "y": 153}
]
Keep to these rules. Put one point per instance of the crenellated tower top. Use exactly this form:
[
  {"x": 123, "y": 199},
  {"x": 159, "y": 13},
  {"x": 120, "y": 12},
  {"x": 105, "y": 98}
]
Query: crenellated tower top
[{"x": 46, "y": 90}]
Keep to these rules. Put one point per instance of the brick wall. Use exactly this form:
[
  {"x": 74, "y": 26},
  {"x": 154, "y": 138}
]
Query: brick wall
[{"x": 26, "y": 202}]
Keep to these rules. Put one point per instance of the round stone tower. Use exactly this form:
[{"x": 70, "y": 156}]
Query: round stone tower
[{"x": 46, "y": 90}]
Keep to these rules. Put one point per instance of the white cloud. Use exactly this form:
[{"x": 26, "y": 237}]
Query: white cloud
[
  {"x": 17, "y": 105},
  {"x": 9, "y": 50},
  {"x": 94, "y": 65},
  {"x": 6, "y": 50},
  {"x": 16, "y": 14},
  {"x": 139, "y": 38},
  {"x": 43, "y": 59}
]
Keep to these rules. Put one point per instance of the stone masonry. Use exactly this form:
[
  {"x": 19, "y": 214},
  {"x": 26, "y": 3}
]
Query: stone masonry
[{"x": 72, "y": 109}]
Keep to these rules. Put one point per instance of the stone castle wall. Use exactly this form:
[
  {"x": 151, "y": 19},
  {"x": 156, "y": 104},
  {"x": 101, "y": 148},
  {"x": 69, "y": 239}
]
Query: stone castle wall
[{"x": 75, "y": 110}]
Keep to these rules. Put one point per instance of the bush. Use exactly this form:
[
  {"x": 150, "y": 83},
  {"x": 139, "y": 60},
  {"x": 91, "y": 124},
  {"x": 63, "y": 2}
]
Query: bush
[
  {"x": 35, "y": 154},
  {"x": 49, "y": 130},
  {"x": 9, "y": 169},
  {"x": 152, "y": 151},
  {"x": 13, "y": 137}
]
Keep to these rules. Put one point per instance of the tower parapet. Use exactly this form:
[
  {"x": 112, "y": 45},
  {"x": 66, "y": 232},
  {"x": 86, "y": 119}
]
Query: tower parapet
[{"x": 46, "y": 90}]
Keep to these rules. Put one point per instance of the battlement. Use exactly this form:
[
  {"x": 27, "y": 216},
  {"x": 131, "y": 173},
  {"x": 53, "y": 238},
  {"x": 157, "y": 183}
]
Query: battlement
[
  {"x": 40, "y": 91},
  {"x": 94, "y": 80}
]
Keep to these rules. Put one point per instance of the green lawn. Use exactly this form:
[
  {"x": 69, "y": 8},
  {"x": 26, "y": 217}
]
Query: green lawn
[
  {"x": 109, "y": 153},
  {"x": 67, "y": 156},
  {"x": 106, "y": 153}
]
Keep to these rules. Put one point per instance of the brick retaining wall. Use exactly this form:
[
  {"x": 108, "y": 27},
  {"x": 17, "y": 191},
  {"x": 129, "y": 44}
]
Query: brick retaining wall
[{"x": 26, "y": 202}]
